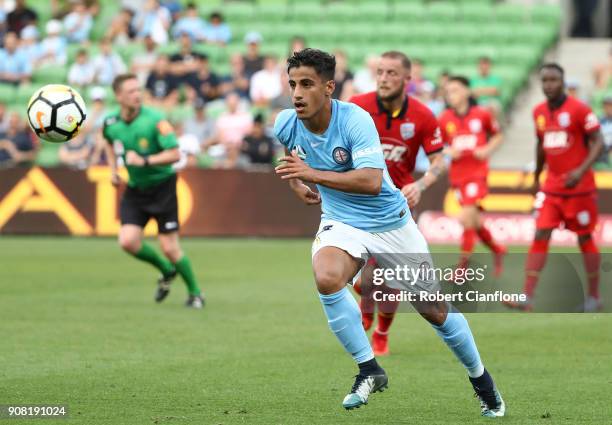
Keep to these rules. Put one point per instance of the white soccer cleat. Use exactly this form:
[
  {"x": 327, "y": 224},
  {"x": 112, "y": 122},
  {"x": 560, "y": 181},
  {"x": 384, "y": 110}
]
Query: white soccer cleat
[{"x": 362, "y": 388}]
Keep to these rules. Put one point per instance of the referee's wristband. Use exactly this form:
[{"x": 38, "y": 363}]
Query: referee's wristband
[{"x": 146, "y": 161}]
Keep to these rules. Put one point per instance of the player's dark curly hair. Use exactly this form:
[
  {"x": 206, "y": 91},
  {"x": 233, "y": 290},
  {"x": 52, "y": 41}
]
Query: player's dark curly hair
[
  {"x": 464, "y": 81},
  {"x": 323, "y": 63},
  {"x": 555, "y": 66}
]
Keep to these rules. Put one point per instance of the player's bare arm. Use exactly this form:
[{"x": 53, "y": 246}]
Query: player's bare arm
[
  {"x": 540, "y": 160},
  {"x": 486, "y": 151},
  {"x": 366, "y": 181},
  {"x": 596, "y": 145},
  {"x": 413, "y": 191},
  {"x": 165, "y": 157}
]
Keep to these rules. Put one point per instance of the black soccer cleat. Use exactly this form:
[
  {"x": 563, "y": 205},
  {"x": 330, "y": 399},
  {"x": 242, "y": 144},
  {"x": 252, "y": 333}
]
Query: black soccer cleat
[
  {"x": 491, "y": 403},
  {"x": 163, "y": 286},
  {"x": 195, "y": 301}
]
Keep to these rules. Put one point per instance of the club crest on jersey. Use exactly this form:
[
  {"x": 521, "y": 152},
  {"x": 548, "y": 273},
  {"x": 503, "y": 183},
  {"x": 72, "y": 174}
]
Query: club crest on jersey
[
  {"x": 475, "y": 126},
  {"x": 451, "y": 128},
  {"x": 300, "y": 152},
  {"x": 143, "y": 144},
  {"x": 564, "y": 119},
  {"x": 407, "y": 130},
  {"x": 341, "y": 156}
]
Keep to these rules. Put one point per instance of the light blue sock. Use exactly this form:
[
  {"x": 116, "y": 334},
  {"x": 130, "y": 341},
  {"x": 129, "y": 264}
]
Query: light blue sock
[
  {"x": 344, "y": 320},
  {"x": 456, "y": 333}
]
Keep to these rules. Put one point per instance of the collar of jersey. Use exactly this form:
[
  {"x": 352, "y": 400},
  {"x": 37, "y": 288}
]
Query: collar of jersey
[{"x": 400, "y": 115}]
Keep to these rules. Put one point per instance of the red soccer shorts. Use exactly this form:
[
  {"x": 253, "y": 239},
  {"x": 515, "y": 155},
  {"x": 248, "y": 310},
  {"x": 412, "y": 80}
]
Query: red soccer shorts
[
  {"x": 578, "y": 213},
  {"x": 471, "y": 192}
]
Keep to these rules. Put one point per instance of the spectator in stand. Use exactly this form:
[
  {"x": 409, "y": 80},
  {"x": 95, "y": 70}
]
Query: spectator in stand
[
  {"x": 2, "y": 21},
  {"x": 602, "y": 72},
  {"x": 258, "y": 146},
  {"x": 429, "y": 97},
  {"x": 78, "y": 23},
  {"x": 231, "y": 128},
  {"x": 61, "y": 8},
  {"x": 204, "y": 84},
  {"x": 16, "y": 143},
  {"x": 573, "y": 89},
  {"x": 4, "y": 118},
  {"x": 365, "y": 78},
  {"x": 86, "y": 149},
  {"x": 29, "y": 45},
  {"x": 296, "y": 44},
  {"x": 184, "y": 64},
  {"x": 199, "y": 125},
  {"x": 189, "y": 147},
  {"x": 253, "y": 60},
  {"x": 283, "y": 100},
  {"x": 190, "y": 23},
  {"x": 121, "y": 30},
  {"x": 82, "y": 72},
  {"x": 20, "y": 17},
  {"x": 606, "y": 130},
  {"x": 216, "y": 30},
  {"x": 107, "y": 64},
  {"x": 15, "y": 67},
  {"x": 237, "y": 81},
  {"x": 486, "y": 87},
  {"x": 53, "y": 48},
  {"x": 417, "y": 78},
  {"x": 153, "y": 20},
  {"x": 266, "y": 84},
  {"x": 161, "y": 87},
  {"x": 344, "y": 89},
  {"x": 142, "y": 63},
  {"x": 175, "y": 8}
]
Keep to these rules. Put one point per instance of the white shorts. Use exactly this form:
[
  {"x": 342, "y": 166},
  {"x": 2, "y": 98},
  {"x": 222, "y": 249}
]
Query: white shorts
[{"x": 404, "y": 248}]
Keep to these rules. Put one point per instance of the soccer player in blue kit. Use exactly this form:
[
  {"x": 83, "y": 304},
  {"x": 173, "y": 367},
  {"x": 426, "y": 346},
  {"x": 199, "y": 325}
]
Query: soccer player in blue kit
[{"x": 335, "y": 146}]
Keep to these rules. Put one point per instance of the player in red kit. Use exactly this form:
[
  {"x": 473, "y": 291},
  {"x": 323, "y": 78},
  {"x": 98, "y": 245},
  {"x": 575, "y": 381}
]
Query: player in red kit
[
  {"x": 471, "y": 135},
  {"x": 404, "y": 125},
  {"x": 569, "y": 141}
]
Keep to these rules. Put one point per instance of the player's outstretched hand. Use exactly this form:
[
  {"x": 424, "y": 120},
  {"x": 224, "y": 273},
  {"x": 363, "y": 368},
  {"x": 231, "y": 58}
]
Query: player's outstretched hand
[
  {"x": 293, "y": 167},
  {"x": 115, "y": 179},
  {"x": 482, "y": 153},
  {"x": 132, "y": 158},
  {"x": 573, "y": 178},
  {"x": 412, "y": 192}
]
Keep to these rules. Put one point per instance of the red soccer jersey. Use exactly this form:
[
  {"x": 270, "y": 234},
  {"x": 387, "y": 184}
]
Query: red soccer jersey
[
  {"x": 466, "y": 133},
  {"x": 401, "y": 135},
  {"x": 563, "y": 133}
]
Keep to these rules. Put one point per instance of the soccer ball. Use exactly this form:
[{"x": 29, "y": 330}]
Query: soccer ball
[{"x": 56, "y": 113}]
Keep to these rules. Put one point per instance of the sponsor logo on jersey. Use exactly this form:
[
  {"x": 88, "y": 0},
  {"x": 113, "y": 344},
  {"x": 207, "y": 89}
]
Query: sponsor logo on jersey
[
  {"x": 300, "y": 152},
  {"x": 165, "y": 128},
  {"x": 407, "y": 130},
  {"x": 591, "y": 121},
  {"x": 341, "y": 155},
  {"x": 393, "y": 153},
  {"x": 437, "y": 137},
  {"x": 541, "y": 122},
  {"x": 555, "y": 140},
  {"x": 475, "y": 126},
  {"x": 366, "y": 152},
  {"x": 564, "y": 119},
  {"x": 465, "y": 142}
]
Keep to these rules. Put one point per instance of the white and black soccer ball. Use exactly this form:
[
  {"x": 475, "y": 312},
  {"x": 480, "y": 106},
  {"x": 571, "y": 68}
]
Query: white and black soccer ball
[{"x": 56, "y": 113}]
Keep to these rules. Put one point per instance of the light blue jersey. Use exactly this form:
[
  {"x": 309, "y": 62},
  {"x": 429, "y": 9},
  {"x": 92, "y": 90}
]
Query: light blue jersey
[{"x": 350, "y": 142}]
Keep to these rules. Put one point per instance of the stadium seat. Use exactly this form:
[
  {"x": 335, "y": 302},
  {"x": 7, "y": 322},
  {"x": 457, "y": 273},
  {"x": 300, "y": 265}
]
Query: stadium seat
[
  {"x": 475, "y": 13},
  {"x": 372, "y": 11},
  {"x": 24, "y": 92},
  {"x": 407, "y": 12},
  {"x": 306, "y": 12},
  {"x": 340, "y": 12},
  {"x": 271, "y": 13},
  {"x": 49, "y": 75},
  {"x": 442, "y": 12},
  {"x": 238, "y": 12},
  {"x": 509, "y": 12},
  {"x": 128, "y": 51},
  {"x": 7, "y": 94},
  {"x": 48, "y": 155}
]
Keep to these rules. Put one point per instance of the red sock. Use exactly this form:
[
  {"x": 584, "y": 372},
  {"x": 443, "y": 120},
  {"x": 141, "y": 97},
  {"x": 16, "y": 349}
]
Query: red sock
[
  {"x": 468, "y": 241},
  {"x": 592, "y": 261},
  {"x": 486, "y": 238},
  {"x": 386, "y": 311},
  {"x": 536, "y": 258}
]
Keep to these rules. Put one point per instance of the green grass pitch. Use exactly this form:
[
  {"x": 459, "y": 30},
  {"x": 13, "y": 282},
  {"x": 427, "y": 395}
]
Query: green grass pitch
[{"x": 78, "y": 326}]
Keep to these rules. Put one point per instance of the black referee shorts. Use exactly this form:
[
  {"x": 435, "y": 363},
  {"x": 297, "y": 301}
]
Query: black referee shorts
[{"x": 158, "y": 202}]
